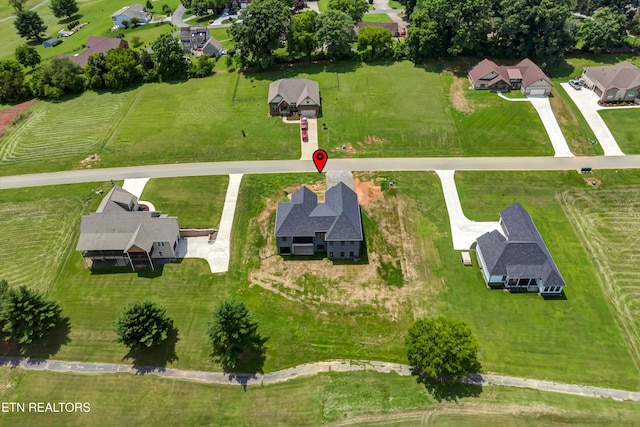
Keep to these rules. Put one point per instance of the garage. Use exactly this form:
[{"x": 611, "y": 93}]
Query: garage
[
  {"x": 307, "y": 112},
  {"x": 538, "y": 92}
]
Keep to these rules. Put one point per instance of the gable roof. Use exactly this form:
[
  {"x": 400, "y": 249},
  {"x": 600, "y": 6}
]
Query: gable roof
[
  {"x": 624, "y": 75},
  {"x": 295, "y": 91},
  {"x": 520, "y": 252},
  {"x": 97, "y": 45},
  {"x": 526, "y": 71},
  {"x": 136, "y": 10},
  {"x": 338, "y": 216},
  {"x": 531, "y": 73},
  {"x": 118, "y": 200}
]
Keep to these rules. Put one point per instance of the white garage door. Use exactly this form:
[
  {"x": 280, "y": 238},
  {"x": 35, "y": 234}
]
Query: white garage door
[
  {"x": 307, "y": 113},
  {"x": 537, "y": 92}
]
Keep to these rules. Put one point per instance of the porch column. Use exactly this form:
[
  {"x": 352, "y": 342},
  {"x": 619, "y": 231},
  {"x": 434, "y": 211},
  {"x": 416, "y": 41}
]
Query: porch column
[
  {"x": 130, "y": 262},
  {"x": 149, "y": 258}
]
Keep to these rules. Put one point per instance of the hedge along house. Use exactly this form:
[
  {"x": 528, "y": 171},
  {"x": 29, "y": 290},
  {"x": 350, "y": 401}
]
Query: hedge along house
[
  {"x": 289, "y": 96},
  {"x": 525, "y": 75},
  {"x": 615, "y": 83},
  {"x": 306, "y": 227},
  {"x": 517, "y": 259},
  {"x": 119, "y": 234}
]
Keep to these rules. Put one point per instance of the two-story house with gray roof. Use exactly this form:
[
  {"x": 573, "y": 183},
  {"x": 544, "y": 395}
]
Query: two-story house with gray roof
[
  {"x": 517, "y": 259},
  {"x": 305, "y": 227},
  {"x": 119, "y": 234}
]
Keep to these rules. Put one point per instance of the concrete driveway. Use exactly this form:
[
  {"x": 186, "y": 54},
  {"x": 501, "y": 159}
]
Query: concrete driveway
[
  {"x": 587, "y": 102},
  {"x": 463, "y": 231},
  {"x": 309, "y": 147}
]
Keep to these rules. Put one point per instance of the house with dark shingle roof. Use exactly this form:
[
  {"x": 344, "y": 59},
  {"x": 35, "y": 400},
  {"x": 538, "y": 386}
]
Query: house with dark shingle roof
[
  {"x": 120, "y": 234},
  {"x": 96, "y": 44},
  {"x": 288, "y": 96},
  {"x": 525, "y": 75},
  {"x": 517, "y": 259},
  {"x": 620, "y": 82},
  {"x": 198, "y": 40},
  {"x": 305, "y": 227}
]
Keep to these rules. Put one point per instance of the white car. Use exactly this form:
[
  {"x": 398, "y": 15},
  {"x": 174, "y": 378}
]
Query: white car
[{"x": 575, "y": 84}]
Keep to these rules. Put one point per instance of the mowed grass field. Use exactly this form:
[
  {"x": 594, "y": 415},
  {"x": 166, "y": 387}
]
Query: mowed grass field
[
  {"x": 358, "y": 398},
  {"x": 521, "y": 335},
  {"x": 624, "y": 124}
]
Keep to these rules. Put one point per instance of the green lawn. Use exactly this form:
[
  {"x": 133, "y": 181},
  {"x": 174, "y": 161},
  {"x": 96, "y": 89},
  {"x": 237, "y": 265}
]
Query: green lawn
[
  {"x": 376, "y": 17},
  {"x": 624, "y": 125},
  {"x": 575, "y": 128},
  {"x": 196, "y": 201},
  {"x": 359, "y": 398},
  {"x": 395, "y": 4}
]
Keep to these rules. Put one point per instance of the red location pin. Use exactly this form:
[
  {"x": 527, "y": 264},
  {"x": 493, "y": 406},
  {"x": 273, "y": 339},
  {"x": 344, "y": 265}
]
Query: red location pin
[{"x": 320, "y": 159}]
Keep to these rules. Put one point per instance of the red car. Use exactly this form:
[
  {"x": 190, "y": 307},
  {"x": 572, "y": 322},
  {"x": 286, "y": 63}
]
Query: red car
[
  {"x": 303, "y": 124},
  {"x": 403, "y": 31},
  {"x": 305, "y": 136}
]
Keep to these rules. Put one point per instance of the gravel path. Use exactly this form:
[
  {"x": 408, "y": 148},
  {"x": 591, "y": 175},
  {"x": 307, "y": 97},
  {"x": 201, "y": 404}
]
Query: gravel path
[{"x": 306, "y": 369}]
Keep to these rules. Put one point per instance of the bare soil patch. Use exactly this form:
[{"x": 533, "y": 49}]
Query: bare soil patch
[
  {"x": 456, "y": 95},
  {"x": 593, "y": 182},
  {"x": 90, "y": 160},
  {"x": 318, "y": 282},
  {"x": 8, "y": 115}
]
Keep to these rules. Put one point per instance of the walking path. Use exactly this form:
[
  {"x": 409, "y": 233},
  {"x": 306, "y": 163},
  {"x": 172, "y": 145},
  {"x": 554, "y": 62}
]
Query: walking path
[
  {"x": 463, "y": 231},
  {"x": 306, "y": 369},
  {"x": 587, "y": 103},
  {"x": 543, "y": 107}
]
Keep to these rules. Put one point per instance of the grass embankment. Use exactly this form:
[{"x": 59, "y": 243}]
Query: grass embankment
[
  {"x": 358, "y": 398},
  {"x": 624, "y": 124}
]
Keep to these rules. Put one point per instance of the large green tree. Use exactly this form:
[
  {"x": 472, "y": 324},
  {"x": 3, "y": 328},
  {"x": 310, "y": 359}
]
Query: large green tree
[
  {"x": 27, "y": 55},
  {"x": 442, "y": 348},
  {"x": 62, "y": 8},
  {"x": 534, "y": 28},
  {"x": 168, "y": 57},
  {"x": 94, "y": 70},
  {"x": 260, "y": 31},
  {"x": 232, "y": 332},
  {"x": 603, "y": 30},
  {"x": 335, "y": 32},
  {"x": 29, "y": 25},
  {"x": 142, "y": 324},
  {"x": 122, "y": 68},
  {"x": 56, "y": 78},
  {"x": 379, "y": 40},
  {"x": 450, "y": 27},
  {"x": 12, "y": 87},
  {"x": 17, "y": 5},
  {"x": 302, "y": 36},
  {"x": 27, "y": 316},
  {"x": 354, "y": 8}
]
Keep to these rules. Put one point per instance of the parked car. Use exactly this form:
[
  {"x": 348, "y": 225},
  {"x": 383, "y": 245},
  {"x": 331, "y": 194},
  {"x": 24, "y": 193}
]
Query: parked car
[
  {"x": 575, "y": 84},
  {"x": 403, "y": 31},
  {"x": 305, "y": 136},
  {"x": 304, "y": 125}
]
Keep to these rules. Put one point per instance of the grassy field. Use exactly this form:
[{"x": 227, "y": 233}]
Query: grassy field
[
  {"x": 359, "y": 398},
  {"x": 96, "y": 12},
  {"x": 623, "y": 124},
  {"x": 376, "y": 17},
  {"x": 196, "y": 201}
]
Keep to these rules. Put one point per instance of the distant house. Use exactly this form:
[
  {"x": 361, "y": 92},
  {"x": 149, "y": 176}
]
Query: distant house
[
  {"x": 97, "y": 45},
  {"x": 517, "y": 259},
  {"x": 198, "y": 40},
  {"x": 620, "y": 82},
  {"x": 51, "y": 42},
  {"x": 288, "y": 96},
  {"x": 391, "y": 26},
  {"x": 305, "y": 227},
  {"x": 127, "y": 13},
  {"x": 525, "y": 75},
  {"x": 120, "y": 234}
]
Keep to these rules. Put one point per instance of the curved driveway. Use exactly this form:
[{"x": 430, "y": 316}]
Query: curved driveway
[
  {"x": 286, "y": 166},
  {"x": 176, "y": 17}
]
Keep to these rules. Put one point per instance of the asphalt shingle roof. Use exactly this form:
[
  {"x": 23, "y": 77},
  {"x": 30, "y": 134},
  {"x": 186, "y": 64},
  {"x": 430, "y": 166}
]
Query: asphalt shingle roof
[{"x": 295, "y": 91}]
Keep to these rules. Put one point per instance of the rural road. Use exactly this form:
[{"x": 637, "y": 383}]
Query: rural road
[
  {"x": 284, "y": 166},
  {"x": 306, "y": 369}
]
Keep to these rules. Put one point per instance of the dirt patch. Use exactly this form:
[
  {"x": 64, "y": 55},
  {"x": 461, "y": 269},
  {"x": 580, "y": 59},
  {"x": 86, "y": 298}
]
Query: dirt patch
[
  {"x": 593, "y": 182},
  {"x": 89, "y": 160},
  {"x": 318, "y": 282},
  {"x": 456, "y": 95},
  {"x": 8, "y": 115}
]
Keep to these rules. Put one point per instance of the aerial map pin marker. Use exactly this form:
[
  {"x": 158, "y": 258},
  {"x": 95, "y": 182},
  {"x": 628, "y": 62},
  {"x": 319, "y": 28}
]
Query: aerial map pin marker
[{"x": 320, "y": 159}]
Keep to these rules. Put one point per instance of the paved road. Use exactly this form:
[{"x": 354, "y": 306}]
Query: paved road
[
  {"x": 176, "y": 17},
  {"x": 307, "y": 369},
  {"x": 285, "y": 166}
]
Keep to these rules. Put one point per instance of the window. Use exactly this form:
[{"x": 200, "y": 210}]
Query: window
[
  {"x": 557, "y": 288},
  {"x": 283, "y": 239},
  {"x": 285, "y": 250},
  {"x": 330, "y": 243},
  {"x": 320, "y": 247},
  {"x": 330, "y": 254},
  {"x": 504, "y": 278},
  {"x": 342, "y": 243},
  {"x": 351, "y": 253},
  {"x": 546, "y": 289},
  {"x": 160, "y": 243},
  {"x": 160, "y": 253},
  {"x": 320, "y": 235},
  {"x": 341, "y": 254}
]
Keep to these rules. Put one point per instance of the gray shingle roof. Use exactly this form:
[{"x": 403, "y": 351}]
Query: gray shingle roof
[
  {"x": 338, "y": 216},
  {"x": 520, "y": 252},
  {"x": 624, "y": 75},
  {"x": 295, "y": 91},
  {"x": 118, "y": 200}
]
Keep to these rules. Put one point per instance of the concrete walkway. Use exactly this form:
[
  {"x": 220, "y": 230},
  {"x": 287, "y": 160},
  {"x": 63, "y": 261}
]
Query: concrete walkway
[
  {"x": 463, "y": 231},
  {"x": 543, "y": 107},
  {"x": 313, "y": 5},
  {"x": 306, "y": 369},
  {"x": 136, "y": 186},
  {"x": 587, "y": 103},
  {"x": 217, "y": 253}
]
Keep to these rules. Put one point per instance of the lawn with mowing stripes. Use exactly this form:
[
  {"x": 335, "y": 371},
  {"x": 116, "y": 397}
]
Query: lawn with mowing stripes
[
  {"x": 376, "y": 17},
  {"x": 58, "y": 135},
  {"x": 624, "y": 124},
  {"x": 380, "y": 399}
]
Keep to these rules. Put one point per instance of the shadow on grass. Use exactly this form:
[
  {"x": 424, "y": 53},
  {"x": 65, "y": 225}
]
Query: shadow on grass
[
  {"x": 147, "y": 273},
  {"x": 251, "y": 362},
  {"x": 158, "y": 356},
  {"x": 294, "y": 69},
  {"x": 561, "y": 297},
  {"x": 45, "y": 349},
  {"x": 451, "y": 391}
]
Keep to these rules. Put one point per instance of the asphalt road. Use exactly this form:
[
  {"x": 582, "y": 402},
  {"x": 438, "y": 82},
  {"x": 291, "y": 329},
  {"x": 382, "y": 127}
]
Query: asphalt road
[{"x": 353, "y": 164}]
